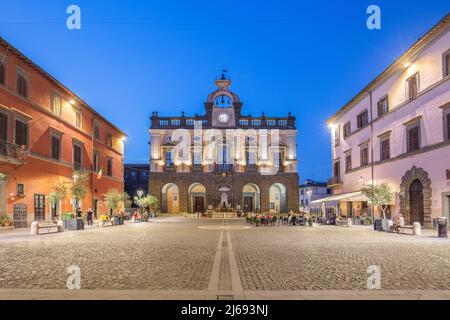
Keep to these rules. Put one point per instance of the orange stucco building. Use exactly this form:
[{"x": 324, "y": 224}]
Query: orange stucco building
[{"x": 47, "y": 134}]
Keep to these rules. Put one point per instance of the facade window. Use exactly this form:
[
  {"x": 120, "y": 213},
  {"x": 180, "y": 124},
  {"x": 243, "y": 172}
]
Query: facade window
[
  {"x": 109, "y": 140},
  {"x": 446, "y": 63},
  {"x": 385, "y": 148},
  {"x": 347, "y": 129},
  {"x": 412, "y": 86},
  {"x": 337, "y": 136},
  {"x": 363, "y": 119},
  {"x": 337, "y": 171},
  {"x": 448, "y": 126},
  {"x": 56, "y": 147},
  {"x": 168, "y": 159},
  {"x": 22, "y": 85},
  {"x": 77, "y": 157},
  {"x": 348, "y": 162},
  {"x": 3, "y": 126},
  {"x": 56, "y": 105},
  {"x": 364, "y": 155},
  {"x": 96, "y": 162},
  {"x": 109, "y": 167},
  {"x": 197, "y": 157},
  {"x": 21, "y": 133},
  {"x": 96, "y": 132},
  {"x": 20, "y": 189},
  {"x": 413, "y": 136},
  {"x": 78, "y": 119},
  {"x": 383, "y": 106},
  {"x": 2, "y": 73}
]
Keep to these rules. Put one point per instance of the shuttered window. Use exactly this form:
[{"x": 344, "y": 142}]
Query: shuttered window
[
  {"x": 447, "y": 64},
  {"x": 385, "y": 145},
  {"x": 109, "y": 168},
  {"x": 56, "y": 147},
  {"x": 3, "y": 126},
  {"x": 77, "y": 157},
  {"x": 448, "y": 126},
  {"x": 21, "y": 133},
  {"x": 2, "y": 73},
  {"x": 364, "y": 156},
  {"x": 363, "y": 119},
  {"x": 413, "y": 138},
  {"x": 413, "y": 86},
  {"x": 22, "y": 86},
  {"x": 383, "y": 106}
]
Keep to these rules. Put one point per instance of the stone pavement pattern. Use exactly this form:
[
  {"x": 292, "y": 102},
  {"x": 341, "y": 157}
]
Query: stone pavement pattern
[{"x": 174, "y": 254}]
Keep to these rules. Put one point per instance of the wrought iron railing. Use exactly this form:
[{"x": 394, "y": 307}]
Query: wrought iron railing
[{"x": 11, "y": 151}]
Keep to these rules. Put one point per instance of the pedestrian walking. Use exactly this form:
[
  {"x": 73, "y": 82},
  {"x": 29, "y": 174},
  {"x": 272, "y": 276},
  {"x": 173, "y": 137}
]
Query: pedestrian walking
[{"x": 89, "y": 217}]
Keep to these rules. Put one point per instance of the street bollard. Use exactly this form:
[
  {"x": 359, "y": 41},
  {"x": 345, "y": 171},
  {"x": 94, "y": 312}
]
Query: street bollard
[
  {"x": 417, "y": 229},
  {"x": 34, "y": 228},
  {"x": 442, "y": 227}
]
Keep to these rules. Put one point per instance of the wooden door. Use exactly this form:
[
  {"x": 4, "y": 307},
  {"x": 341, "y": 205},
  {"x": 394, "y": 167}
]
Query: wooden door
[
  {"x": 248, "y": 204},
  {"x": 39, "y": 207},
  {"x": 416, "y": 202},
  {"x": 199, "y": 204}
]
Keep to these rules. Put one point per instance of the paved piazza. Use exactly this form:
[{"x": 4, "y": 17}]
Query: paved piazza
[{"x": 186, "y": 258}]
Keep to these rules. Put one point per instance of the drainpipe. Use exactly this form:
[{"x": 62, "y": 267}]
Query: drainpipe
[{"x": 371, "y": 147}]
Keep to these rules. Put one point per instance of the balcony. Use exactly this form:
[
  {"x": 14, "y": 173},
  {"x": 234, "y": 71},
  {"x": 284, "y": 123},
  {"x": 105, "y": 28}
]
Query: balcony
[
  {"x": 224, "y": 168},
  {"x": 244, "y": 122},
  {"x": 334, "y": 182},
  {"x": 11, "y": 153}
]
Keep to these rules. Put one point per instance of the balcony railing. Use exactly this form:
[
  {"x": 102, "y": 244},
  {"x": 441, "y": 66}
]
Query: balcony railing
[
  {"x": 224, "y": 168},
  {"x": 245, "y": 122},
  {"x": 334, "y": 181},
  {"x": 11, "y": 152}
]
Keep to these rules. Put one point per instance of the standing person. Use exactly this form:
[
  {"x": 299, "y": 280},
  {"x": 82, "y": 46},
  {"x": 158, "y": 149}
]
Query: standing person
[{"x": 89, "y": 217}]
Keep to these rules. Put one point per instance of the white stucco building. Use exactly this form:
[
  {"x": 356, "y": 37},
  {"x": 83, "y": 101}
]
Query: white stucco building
[{"x": 397, "y": 130}]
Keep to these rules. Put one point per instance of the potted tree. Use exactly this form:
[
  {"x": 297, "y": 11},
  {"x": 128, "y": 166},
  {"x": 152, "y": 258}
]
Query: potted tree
[
  {"x": 79, "y": 191},
  {"x": 380, "y": 196},
  {"x": 59, "y": 193}
]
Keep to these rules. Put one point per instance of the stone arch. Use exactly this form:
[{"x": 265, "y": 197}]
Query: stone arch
[
  {"x": 278, "y": 201},
  {"x": 251, "y": 198},
  {"x": 170, "y": 198},
  {"x": 410, "y": 176},
  {"x": 197, "y": 198}
]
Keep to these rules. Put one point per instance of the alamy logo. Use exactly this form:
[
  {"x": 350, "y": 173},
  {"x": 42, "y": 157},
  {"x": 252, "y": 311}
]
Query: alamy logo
[
  {"x": 74, "y": 20},
  {"x": 374, "y": 20},
  {"x": 74, "y": 279},
  {"x": 374, "y": 279}
]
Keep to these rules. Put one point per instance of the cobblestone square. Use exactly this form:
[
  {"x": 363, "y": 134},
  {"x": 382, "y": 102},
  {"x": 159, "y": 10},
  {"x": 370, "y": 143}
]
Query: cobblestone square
[{"x": 187, "y": 255}]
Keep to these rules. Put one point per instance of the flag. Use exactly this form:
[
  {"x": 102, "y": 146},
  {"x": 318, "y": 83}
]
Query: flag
[{"x": 99, "y": 174}]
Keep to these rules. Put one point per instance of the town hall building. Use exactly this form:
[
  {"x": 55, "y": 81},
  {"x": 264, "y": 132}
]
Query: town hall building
[{"x": 223, "y": 161}]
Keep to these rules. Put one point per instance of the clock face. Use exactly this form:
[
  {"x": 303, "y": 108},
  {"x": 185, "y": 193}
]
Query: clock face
[
  {"x": 223, "y": 101},
  {"x": 224, "y": 118}
]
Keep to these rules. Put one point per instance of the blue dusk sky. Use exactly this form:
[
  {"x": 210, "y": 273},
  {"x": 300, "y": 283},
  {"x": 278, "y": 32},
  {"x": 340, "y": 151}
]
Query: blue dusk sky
[{"x": 134, "y": 57}]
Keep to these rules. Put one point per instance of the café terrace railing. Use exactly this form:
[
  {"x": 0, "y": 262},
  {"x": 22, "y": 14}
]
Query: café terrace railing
[{"x": 245, "y": 122}]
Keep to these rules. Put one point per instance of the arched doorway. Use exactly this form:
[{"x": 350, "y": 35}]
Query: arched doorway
[
  {"x": 170, "y": 199},
  {"x": 251, "y": 198},
  {"x": 416, "y": 202},
  {"x": 415, "y": 197},
  {"x": 197, "y": 198},
  {"x": 277, "y": 198}
]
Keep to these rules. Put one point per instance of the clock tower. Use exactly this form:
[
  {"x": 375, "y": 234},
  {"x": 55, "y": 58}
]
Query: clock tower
[{"x": 223, "y": 106}]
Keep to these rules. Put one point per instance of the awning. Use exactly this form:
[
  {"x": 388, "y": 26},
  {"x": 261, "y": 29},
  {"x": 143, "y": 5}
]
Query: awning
[{"x": 346, "y": 197}]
